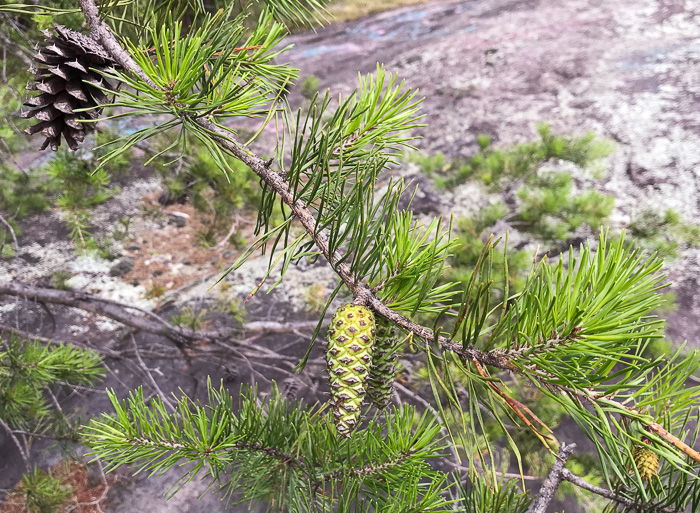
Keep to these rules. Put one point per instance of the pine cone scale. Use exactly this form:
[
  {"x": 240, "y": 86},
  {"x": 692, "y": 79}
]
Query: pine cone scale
[
  {"x": 76, "y": 91},
  {"x": 48, "y": 113},
  {"x": 51, "y": 131},
  {"x": 37, "y": 101},
  {"x": 46, "y": 58},
  {"x": 76, "y": 65},
  {"x": 62, "y": 71},
  {"x": 53, "y": 85}
]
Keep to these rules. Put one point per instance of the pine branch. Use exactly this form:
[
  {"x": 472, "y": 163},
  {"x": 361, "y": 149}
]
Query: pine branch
[
  {"x": 371, "y": 469},
  {"x": 554, "y": 478},
  {"x": 559, "y": 473},
  {"x": 362, "y": 293},
  {"x": 603, "y": 400},
  {"x": 161, "y": 444},
  {"x": 100, "y": 306},
  {"x": 360, "y": 290},
  {"x": 146, "y": 370},
  {"x": 285, "y": 458},
  {"x": 572, "y": 478},
  {"x": 267, "y": 447},
  {"x": 552, "y": 343}
]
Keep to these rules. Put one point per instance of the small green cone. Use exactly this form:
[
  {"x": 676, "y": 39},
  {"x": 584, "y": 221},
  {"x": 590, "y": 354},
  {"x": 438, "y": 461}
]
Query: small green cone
[
  {"x": 646, "y": 461},
  {"x": 380, "y": 382},
  {"x": 349, "y": 356}
]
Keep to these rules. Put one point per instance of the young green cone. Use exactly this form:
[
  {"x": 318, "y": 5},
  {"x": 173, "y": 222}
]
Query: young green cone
[
  {"x": 349, "y": 355},
  {"x": 380, "y": 381},
  {"x": 646, "y": 461}
]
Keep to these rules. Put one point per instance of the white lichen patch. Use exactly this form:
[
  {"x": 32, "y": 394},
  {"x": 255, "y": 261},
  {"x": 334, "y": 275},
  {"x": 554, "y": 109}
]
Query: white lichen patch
[
  {"x": 86, "y": 265},
  {"x": 8, "y": 308},
  {"x": 105, "y": 325},
  {"x": 79, "y": 329},
  {"x": 469, "y": 198},
  {"x": 88, "y": 272},
  {"x": 45, "y": 258},
  {"x": 127, "y": 202},
  {"x": 111, "y": 288}
]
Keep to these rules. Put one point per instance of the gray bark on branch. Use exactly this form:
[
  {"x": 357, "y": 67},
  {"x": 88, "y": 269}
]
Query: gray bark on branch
[
  {"x": 572, "y": 478},
  {"x": 554, "y": 479}
]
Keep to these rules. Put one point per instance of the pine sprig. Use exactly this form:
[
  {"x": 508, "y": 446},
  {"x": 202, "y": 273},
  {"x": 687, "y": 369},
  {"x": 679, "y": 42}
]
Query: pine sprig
[
  {"x": 576, "y": 322},
  {"x": 274, "y": 449},
  {"x": 42, "y": 365},
  {"x": 214, "y": 70},
  {"x": 29, "y": 368}
]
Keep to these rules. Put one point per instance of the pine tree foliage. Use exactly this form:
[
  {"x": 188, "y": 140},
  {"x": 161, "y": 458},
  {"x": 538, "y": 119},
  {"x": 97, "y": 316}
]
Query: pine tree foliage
[
  {"x": 214, "y": 70},
  {"x": 577, "y": 331},
  {"x": 478, "y": 497},
  {"x": 28, "y": 369},
  {"x": 280, "y": 452},
  {"x": 42, "y": 492}
]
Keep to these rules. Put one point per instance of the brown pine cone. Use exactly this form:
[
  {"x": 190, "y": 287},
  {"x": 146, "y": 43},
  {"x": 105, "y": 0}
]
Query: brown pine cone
[{"x": 67, "y": 78}]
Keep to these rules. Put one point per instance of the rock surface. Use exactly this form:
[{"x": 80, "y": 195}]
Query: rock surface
[{"x": 122, "y": 267}]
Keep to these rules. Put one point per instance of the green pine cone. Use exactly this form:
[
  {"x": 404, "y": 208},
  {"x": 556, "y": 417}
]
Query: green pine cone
[
  {"x": 380, "y": 381},
  {"x": 646, "y": 461},
  {"x": 349, "y": 356}
]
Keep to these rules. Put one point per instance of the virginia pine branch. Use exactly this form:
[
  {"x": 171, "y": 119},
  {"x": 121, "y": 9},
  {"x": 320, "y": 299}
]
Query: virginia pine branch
[
  {"x": 371, "y": 468},
  {"x": 360, "y": 290},
  {"x": 572, "y": 478}
]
